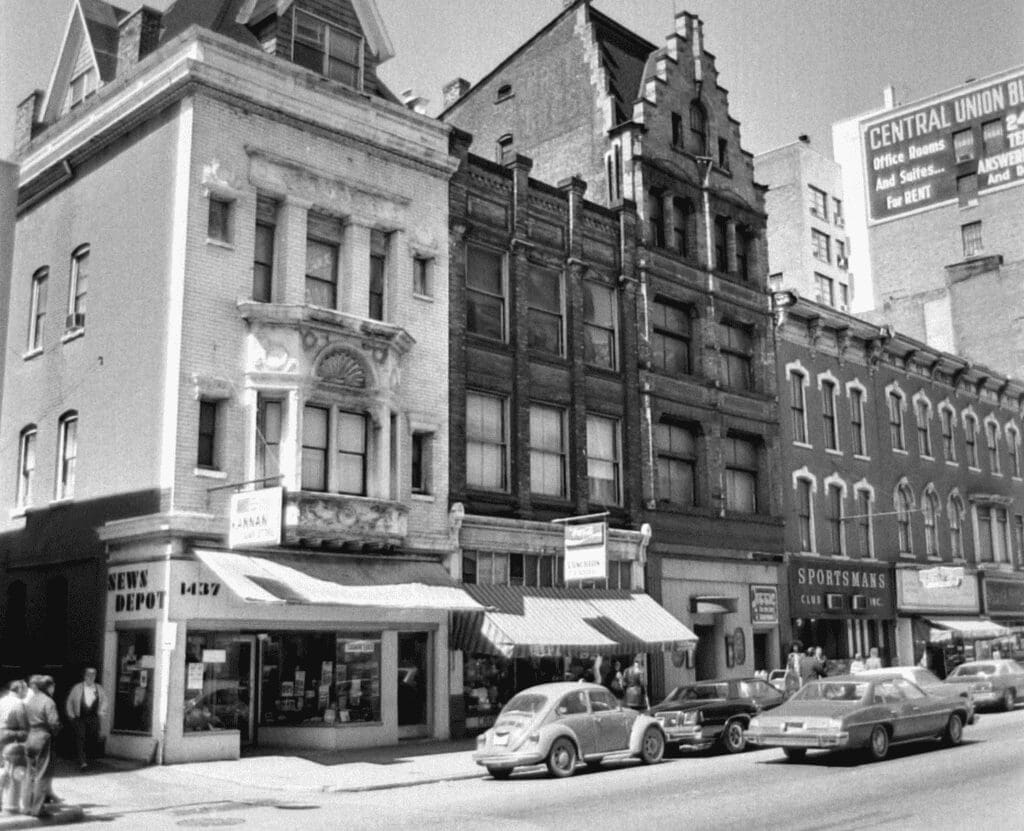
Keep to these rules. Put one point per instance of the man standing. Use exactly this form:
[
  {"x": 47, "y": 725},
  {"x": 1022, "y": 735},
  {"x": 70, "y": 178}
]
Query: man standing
[
  {"x": 13, "y": 732},
  {"x": 43, "y": 725},
  {"x": 87, "y": 709}
]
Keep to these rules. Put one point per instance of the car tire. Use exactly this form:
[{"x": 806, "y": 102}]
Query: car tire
[
  {"x": 794, "y": 754},
  {"x": 500, "y": 773},
  {"x": 562, "y": 758},
  {"x": 878, "y": 744},
  {"x": 734, "y": 739},
  {"x": 954, "y": 732},
  {"x": 1009, "y": 700},
  {"x": 652, "y": 746}
]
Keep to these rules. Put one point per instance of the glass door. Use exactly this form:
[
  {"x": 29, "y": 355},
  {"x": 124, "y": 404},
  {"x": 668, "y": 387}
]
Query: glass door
[{"x": 414, "y": 685}]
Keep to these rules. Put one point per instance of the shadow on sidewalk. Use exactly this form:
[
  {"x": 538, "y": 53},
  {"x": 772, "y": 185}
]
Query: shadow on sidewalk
[{"x": 384, "y": 755}]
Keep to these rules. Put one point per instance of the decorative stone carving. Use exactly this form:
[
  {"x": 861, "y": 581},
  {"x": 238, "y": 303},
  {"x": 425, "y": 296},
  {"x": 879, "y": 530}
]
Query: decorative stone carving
[
  {"x": 331, "y": 516},
  {"x": 815, "y": 332},
  {"x": 343, "y": 368}
]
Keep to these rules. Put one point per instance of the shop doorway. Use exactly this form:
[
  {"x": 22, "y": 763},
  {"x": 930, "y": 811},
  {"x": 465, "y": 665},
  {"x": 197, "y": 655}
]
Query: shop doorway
[
  {"x": 705, "y": 664},
  {"x": 762, "y": 652},
  {"x": 413, "y": 684},
  {"x": 245, "y": 650}
]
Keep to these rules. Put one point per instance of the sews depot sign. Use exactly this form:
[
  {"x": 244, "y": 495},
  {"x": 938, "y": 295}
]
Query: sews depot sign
[
  {"x": 586, "y": 551},
  {"x": 915, "y": 159}
]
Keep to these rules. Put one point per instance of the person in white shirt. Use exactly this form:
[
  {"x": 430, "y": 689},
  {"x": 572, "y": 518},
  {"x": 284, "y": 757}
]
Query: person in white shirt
[
  {"x": 87, "y": 710},
  {"x": 13, "y": 732}
]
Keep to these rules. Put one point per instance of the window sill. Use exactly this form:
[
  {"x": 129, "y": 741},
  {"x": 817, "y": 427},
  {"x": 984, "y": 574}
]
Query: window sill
[
  {"x": 952, "y": 463},
  {"x": 63, "y": 500},
  {"x": 219, "y": 243},
  {"x": 210, "y": 473},
  {"x": 901, "y": 452},
  {"x": 72, "y": 334},
  {"x": 19, "y": 513},
  {"x": 32, "y": 353},
  {"x": 973, "y": 469},
  {"x": 860, "y": 458},
  {"x": 997, "y": 473},
  {"x": 927, "y": 457},
  {"x": 907, "y": 555},
  {"x": 426, "y": 298},
  {"x": 803, "y": 444},
  {"x": 423, "y": 497},
  {"x": 834, "y": 452}
]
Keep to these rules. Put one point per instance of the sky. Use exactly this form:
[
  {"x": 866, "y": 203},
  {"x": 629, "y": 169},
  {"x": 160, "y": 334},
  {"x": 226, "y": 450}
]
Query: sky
[{"x": 791, "y": 66}]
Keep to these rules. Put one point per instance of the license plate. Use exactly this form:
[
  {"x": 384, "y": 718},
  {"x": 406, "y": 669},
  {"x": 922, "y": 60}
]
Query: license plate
[
  {"x": 501, "y": 740},
  {"x": 793, "y": 725}
]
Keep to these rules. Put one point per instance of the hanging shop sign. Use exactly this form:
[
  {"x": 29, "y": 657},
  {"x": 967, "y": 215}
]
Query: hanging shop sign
[
  {"x": 586, "y": 551},
  {"x": 823, "y": 588},
  {"x": 255, "y": 518}
]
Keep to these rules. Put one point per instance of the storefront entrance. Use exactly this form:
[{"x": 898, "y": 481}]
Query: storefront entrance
[
  {"x": 220, "y": 684},
  {"x": 413, "y": 684}
]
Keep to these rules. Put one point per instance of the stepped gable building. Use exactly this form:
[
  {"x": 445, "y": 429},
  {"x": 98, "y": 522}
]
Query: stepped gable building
[
  {"x": 649, "y": 127},
  {"x": 227, "y": 396},
  {"x": 903, "y": 478}
]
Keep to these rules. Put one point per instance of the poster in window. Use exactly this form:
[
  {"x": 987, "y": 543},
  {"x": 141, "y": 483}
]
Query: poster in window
[{"x": 194, "y": 679}]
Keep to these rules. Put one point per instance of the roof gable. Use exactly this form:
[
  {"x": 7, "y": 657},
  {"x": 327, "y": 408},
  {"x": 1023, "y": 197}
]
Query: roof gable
[{"x": 371, "y": 21}]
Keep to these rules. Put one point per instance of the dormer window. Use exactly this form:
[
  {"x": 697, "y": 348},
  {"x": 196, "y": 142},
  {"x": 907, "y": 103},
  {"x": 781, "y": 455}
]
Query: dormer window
[
  {"x": 330, "y": 50},
  {"x": 81, "y": 87}
]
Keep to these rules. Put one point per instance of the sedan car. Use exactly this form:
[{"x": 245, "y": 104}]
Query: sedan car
[
  {"x": 700, "y": 715},
  {"x": 999, "y": 681},
  {"x": 927, "y": 681},
  {"x": 563, "y": 723},
  {"x": 850, "y": 712}
]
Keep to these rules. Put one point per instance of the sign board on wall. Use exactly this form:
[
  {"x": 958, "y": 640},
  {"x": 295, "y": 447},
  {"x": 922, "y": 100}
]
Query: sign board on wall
[
  {"x": 586, "y": 551},
  {"x": 1004, "y": 597},
  {"x": 826, "y": 588},
  {"x": 764, "y": 605},
  {"x": 255, "y": 518},
  {"x": 936, "y": 589},
  {"x": 911, "y": 158},
  {"x": 136, "y": 592}
]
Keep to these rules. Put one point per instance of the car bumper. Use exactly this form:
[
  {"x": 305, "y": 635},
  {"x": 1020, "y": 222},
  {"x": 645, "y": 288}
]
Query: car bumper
[
  {"x": 986, "y": 698},
  {"x": 807, "y": 740},
  {"x": 493, "y": 758},
  {"x": 693, "y": 737}
]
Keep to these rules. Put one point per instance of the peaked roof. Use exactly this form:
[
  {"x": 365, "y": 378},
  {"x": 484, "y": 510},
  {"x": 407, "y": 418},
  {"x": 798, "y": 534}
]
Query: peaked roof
[
  {"x": 219, "y": 16},
  {"x": 101, "y": 21}
]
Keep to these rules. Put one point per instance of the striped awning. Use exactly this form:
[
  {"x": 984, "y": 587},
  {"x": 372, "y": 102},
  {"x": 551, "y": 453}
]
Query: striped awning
[
  {"x": 967, "y": 628},
  {"x": 310, "y": 579},
  {"x": 521, "y": 622}
]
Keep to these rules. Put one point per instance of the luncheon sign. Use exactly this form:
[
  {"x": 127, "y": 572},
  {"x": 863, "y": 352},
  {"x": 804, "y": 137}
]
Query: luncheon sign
[{"x": 912, "y": 159}]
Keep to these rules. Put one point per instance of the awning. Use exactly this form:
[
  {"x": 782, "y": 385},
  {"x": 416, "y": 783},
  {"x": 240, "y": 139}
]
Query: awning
[
  {"x": 708, "y": 604},
  {"x": 338, "y": 580},
  {"x": 530, "y": 622},
  {"x": 969, "y": 628}
]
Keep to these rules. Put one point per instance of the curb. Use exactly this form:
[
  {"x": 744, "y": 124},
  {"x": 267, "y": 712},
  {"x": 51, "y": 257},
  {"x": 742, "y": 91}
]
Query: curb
[
  {"x": 66, "y": 815},
  {"x": 410, "y": 783}
]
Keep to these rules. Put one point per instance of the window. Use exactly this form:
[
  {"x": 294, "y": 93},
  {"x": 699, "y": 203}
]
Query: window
[
  {"x": 1013, "y": 450},
  {"x": 37, "y": 310},
  {"x": 956, "y": 532},
  {"x": 721, "y": 230},
  {"x": 828, "y": 414},
  {"x": 323, "y": 242},
  {"x": 26, "y": 466},
  {"x": 841, "y": 254},
  {"x": 864, "y": 536},
  {"x": 1018, "y": 535},
  {"x": 422, "y": 462},
  {"x": 699, "y": 129},
  {"x": 334, "y": 455},
  {"x": 685, "y": 217},
  {"x": 986, "y": 540},
  {"x": 218, "y": 221},
  {"x": 797, "y": 406},
  {"x": 923, "y": 413},
  {"x": 992, "y": 441},
  {"x": 485, "y": 293},
  {"x": 206, "y": 454},
  {"x": 485, "y": 568},
  {"x": 67, "y": 455},
  {"x": 676, "y": 447},
  {"x": 818, "y": 203},
  {"x": 133, "y": 692},
  {"x": 263, "y": 250},
  {"x": 600, "y": 314},
  {"x": 930, "y": 509},
  {"x": 896, "y": 421},
  {"x": 677, "y": 130},
  {"x": 82, "y": 86},
  {"x": 904, "y": 500},
  {"x": 844, "y": 296},
  {"x": 963, "y": 145},
  {"x": 378, "y": 273},
  {"x": 948, "y": 445},
  {"x": 670, "y": 338},
  {"x": 857, "y": 421},
  {"x": 422, "y": 268},
  {"x": 545, "y": 322},
  {"x": 837, "y": 212},
  {"x": 656, "y": 214},
  {"x": 486, "y": 442},
  {"x": 504, "y": 91},
  {"x": 993, "y": 139},
  {"x": 805, "y": 514},
  {"x": 824, "y": 290},
  {"x": 737, "y": 357},
  {"x": 741, "y": 475},
  {"x": 548, "y": 452},
  {"x": 269, "y": 416},
  {"x": 834, "y": 500},
  {"x": 971, "y": 440},
  {"x": 970, "y": 235},
  {"x": 723, "y": 154},
  {"x": 326, "y": 49},
  {"x": 745, "y": 247},
  {"x": 821, "y": 246},
  {"x": 604, "y": 459},
  {"x": 78, "y": 285},
  {"x": 967, "y": 189}
]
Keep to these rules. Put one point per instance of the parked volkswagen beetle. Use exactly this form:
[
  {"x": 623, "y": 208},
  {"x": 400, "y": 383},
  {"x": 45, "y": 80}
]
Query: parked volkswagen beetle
[{"x": 562, "y": 724}]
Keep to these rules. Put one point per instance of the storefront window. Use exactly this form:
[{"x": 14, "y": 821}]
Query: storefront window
[
  {"x": 218, "y": 694},
  {"x": 317, "y": 679},
  {"x": 133, "y": 699}
]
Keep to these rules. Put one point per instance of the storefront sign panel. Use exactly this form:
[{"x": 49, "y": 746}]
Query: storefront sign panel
[
  {"x": 255, "y": 518},
  {"x": 824, "y": 588},
  {"x": 1004, "y": 597},
  {"x": 911, "y": 159},
  {"x": 764, "y": 605},
  {"x": 586, "y": 554},
  {"x": 136, "y": 592},
  {"x": 936, "y": 592}
]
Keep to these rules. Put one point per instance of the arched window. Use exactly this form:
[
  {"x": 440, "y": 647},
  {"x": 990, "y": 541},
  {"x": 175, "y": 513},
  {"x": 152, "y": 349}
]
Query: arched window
[
  {"x": 67, "y": 454},
  {"x": 798, "y": 402},
  {"x": 37, "y": 311},
  {"x": 930, "y": 510},
  {"x": 904, "y": 502},
  {"x": 1013, "y": 450},
  {"x": 699, "y": 128},
  {"x": 955, "y": 512}
]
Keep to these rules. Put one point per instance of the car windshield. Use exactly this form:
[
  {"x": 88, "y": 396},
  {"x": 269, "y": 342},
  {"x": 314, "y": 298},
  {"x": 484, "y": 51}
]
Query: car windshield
[
  {"x": 525, "y": 703},
  {"x": 701, "y": 692},
  {"x": 831, "y": 691},
  {"x": 973, "y": 669}
]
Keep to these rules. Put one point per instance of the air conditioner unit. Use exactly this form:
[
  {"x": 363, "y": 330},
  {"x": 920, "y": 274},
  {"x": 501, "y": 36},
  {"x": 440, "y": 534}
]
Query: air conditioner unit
[
  {"x": 842, "y": 262},
  {"x": 840, "y": 222},
  {"x": 860, "y": 602},
  {"x": 833, "y": 602},
  {"x": 75, "y": 321}
]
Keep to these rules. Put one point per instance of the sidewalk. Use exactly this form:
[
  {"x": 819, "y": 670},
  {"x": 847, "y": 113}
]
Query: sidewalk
[{"x": 115, "y": 787}]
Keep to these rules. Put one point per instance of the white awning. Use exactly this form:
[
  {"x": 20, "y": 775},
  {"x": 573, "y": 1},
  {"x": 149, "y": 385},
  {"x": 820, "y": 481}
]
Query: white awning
[{"x": 976, "y": 629}]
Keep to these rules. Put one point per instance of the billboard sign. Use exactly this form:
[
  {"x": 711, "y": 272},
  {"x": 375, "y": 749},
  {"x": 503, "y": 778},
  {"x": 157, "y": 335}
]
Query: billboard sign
[
  {"x": 913, "y": 160},
  {"x": 586, "y": 551}
]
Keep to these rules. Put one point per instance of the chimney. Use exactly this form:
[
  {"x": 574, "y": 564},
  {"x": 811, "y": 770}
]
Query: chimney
[
  {"x": 804, "y": 138},
  {"x": 137, "y": 36},
  {"x": 889, "y": 97},
  {"x": 454, "y": 90},
  {"x": 416, "y": 103},
  {"x": 27, "y": 120}
]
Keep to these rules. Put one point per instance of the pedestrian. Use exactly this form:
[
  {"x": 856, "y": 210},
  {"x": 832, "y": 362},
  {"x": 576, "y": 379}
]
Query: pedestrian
[
  {"x": 873, "y": 661},
  {"x": 43, "y": 725},
  {"x": 616, "y": 681},
  {"x": 13, "y": 732},
  {"x": 820, "y": 662},
  {"x": 810, "y": 667},
  {"x": 793, "y": 678},
  {"x": 635, "y": 681},
  {"x": 86, "y": 707},
  {"x": 857, "y": 664}
]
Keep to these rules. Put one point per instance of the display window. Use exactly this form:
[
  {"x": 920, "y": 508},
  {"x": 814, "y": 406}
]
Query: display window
[
  {"x": 133, "y": 697},
  {"x": 218, "y": 692},
  {"x": 321, "y": 678}
]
